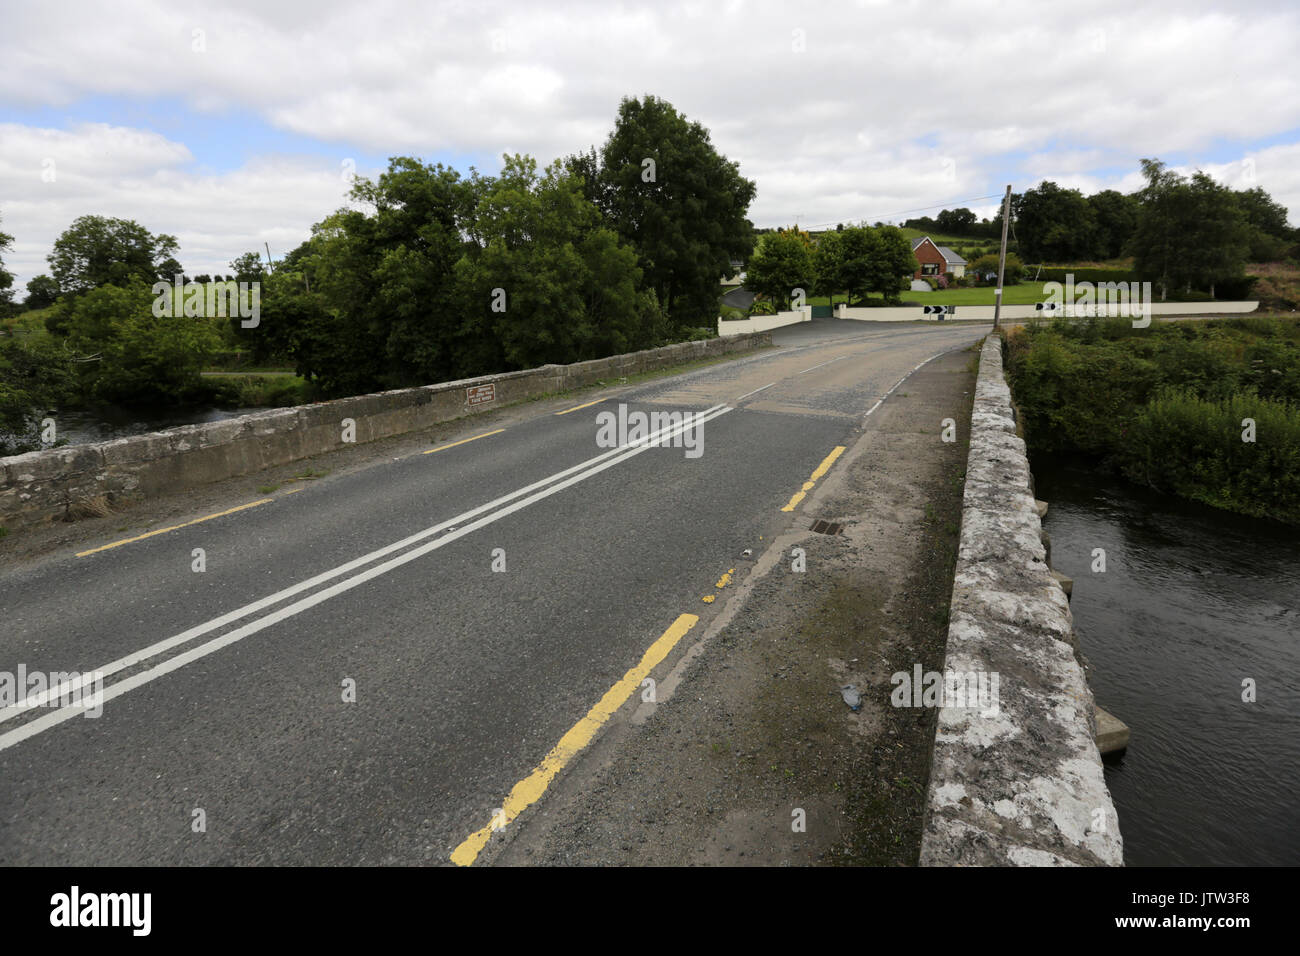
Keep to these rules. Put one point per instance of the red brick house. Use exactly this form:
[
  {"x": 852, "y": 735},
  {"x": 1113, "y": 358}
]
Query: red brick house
[{"x": 935, "y": 260}]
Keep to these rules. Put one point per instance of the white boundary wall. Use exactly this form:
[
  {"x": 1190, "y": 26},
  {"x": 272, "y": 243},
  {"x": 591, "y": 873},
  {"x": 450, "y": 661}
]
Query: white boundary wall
[
  {"x": 916, "y": 313},
  {"x": 765, "y": 323}
]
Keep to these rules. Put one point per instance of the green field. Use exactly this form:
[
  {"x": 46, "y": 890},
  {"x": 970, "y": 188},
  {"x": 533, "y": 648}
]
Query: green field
[{"x": 1026, "y": 293}]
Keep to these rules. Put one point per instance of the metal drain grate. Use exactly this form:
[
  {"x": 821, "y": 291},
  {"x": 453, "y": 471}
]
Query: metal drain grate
[{"x": 827, "y": 527}]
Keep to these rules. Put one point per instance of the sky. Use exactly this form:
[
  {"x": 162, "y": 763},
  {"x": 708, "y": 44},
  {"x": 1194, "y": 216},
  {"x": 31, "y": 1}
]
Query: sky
[{"x": 237, "y": 125}]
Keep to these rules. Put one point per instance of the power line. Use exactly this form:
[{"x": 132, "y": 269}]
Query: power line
[{"x": 939, "y": 205}]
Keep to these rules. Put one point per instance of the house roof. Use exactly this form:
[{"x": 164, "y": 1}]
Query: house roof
[{"x": 948, "y": 254}]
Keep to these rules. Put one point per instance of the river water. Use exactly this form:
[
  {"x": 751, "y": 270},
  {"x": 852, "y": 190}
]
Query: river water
[
  {"x": 105, "y": 424},
  {"x": 1192, "y": 602}
]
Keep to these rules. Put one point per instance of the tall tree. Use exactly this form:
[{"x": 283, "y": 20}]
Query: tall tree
[
  {"x": 782, "y": 263},
  {"x": 248, "y": 267},
  {"x": 1189, "y": 233},
  {"x": 544, "y": 280},
  {"x": 42, "y": 292},
  {"x": 1269, "y": 234},
  {"x": 894, "y": 263},
  {"x": 828, "y": 263},
  {"x": 96, "y": 251},
  {"x": 679, "y": 203},
  {"x": 859, "y": 248},
  {"x": 1217, "y": 236},
  {"x": 1053, "y": 224},
  {"x": 1115, "y": 216},
  {"x": 1155, "y": 244},
  {"x": 955, "y": 222},
  {"x": 380, "y": 312}
]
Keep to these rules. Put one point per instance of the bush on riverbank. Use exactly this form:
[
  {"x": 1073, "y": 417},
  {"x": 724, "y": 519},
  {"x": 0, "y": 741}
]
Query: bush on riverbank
[
  {"x": 256, "y": 391},
  {"x": 1194, "y": 448},
  {"x": 1165, "y": 405}
]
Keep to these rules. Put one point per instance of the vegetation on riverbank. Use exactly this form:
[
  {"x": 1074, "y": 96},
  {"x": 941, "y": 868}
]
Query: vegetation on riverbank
[{"x": 1209, "y": 411}]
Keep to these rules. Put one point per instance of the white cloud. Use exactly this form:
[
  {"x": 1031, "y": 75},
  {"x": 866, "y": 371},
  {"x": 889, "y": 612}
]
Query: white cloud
[
  {"x": 885, "y": 108},
  {"x": 49, "y": 177}
]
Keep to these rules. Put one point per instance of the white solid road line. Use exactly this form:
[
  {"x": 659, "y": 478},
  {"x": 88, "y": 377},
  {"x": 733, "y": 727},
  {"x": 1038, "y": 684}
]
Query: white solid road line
[
  {"x": 822, "y": 365},
  {"x": 754, "y": 392},
  {"x": 56, "y": 717}
]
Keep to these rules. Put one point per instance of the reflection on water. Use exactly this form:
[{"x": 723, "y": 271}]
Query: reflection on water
[
  {"x": 1192, "y": 602},
  {"x": 105, "y": 424}
]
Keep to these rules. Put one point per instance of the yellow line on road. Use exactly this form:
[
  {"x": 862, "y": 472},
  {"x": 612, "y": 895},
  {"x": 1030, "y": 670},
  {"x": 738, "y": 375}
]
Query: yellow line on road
[
  {"x": 824, "y": 467},
  {"x": 150, "y": 534},
  {"x": 576, "y": 407},
  {"x": 529, "y": 790},
  {"x": 461, "y": 442}
]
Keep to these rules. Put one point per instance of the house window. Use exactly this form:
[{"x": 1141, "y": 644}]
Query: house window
[{"x": 929, "y": 268}]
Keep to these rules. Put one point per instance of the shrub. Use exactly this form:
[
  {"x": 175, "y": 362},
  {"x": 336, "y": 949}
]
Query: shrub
[
  {"x": 1194, "y": 448},
  {"x": 1165, "y": 405},
  {"x": 1012, "y": 272}
]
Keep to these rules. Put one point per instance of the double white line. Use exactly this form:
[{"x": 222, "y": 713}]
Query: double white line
[{"x": 490, "y": 512}]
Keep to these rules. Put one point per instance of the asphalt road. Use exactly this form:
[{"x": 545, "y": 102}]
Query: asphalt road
[{"x": 225, "y": 736}]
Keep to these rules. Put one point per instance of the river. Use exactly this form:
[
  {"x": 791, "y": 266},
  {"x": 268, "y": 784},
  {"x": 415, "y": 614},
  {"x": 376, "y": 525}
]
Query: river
[
  {"x": 1192, "y": 602},
  {"x": 105, "y": 424}
]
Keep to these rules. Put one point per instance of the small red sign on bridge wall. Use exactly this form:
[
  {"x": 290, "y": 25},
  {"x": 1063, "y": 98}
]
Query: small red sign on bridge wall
[{"x": 481, "y": 394}]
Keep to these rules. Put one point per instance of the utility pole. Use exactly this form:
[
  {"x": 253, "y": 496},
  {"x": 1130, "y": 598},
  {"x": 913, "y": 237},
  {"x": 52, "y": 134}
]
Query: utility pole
[
  {"x": 1002, "y": 256},
  {"x": 271, "y": 268}
]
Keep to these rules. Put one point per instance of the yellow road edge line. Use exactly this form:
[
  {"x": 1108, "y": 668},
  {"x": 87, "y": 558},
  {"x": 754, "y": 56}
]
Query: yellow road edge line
[
  {"x": 577, "y": 407},
  {"x": 461, "y": 442},
  {"x": 150, "y": 534},
  {"x": 529, "y": 790},
  {"x": 824, "y": 467}
]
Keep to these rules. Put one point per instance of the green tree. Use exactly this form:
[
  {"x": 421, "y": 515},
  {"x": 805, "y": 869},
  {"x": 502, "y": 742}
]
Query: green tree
[
  {"x": 544, "y": 280},
  {"x": 1268, "y": 233},
  {"x": 1012, "y": 272},
  {"x": 369, "y": 301},
  {"x": 874, "y": 260},
  {"x": 679, "y": 203},
  {"x": 828, "y": 263},
  {"x": 1189, "y": 232},
  {"x": 35, "y": 377},
  {"x": 96, "y": 251},
  {"x": 1155, "y": 244},
  {"x": 1054, "y": 224},
  {"x": 782, "y": 263},
  {"x": 42, "y": 292},
  {"x": 586, "y": 167},
  {"x": 129, "y": 355},
  {"x": 6, "y": 277},
  {"x": 894, "y": 265},
  {"x": 248, "y": 268},
  {"x": 955, "y": 222},
  {"x": 1218, "y": 239},
  {"x": 859, "y": 248},
  {"x": 1115, "y": 216}
]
